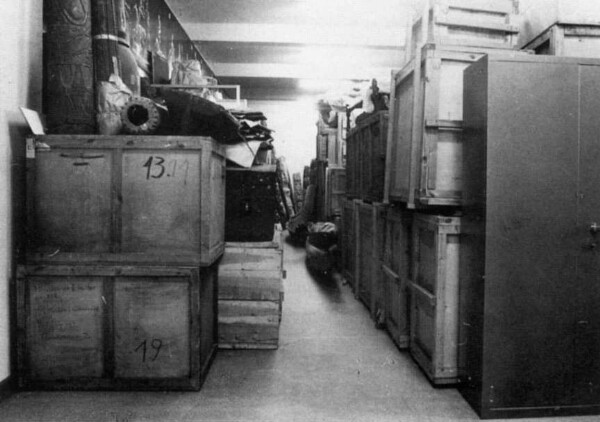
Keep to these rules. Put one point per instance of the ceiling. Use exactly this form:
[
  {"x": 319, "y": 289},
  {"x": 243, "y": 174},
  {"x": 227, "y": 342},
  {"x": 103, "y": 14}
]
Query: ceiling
[{"x": 284, "y": 49}]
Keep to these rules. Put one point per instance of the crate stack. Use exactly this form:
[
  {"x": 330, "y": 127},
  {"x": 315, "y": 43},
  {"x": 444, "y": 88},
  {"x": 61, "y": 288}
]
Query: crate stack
[
  {"x": 251, "y": 271},
  {"x": 118, "y": 287},
  {"x": 364, "y": 212},
  {"x": 328, "y": 172},
  {"x": 423, "y": 174},
  {"x": 251, "y": 294}
]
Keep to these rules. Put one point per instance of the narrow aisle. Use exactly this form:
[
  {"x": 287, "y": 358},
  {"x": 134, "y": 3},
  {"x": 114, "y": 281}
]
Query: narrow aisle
[{"x": 332, "y": 365}]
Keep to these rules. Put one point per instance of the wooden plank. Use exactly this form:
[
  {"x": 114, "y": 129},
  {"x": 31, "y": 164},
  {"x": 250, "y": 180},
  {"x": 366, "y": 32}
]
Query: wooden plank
[
  {"x": 251, "y": 259},
  {"x": 250, "y": 285},
  {"x": 246, "y": 324}
]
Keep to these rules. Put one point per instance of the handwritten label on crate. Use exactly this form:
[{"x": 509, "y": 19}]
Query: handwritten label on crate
[
  {"x": 152, "y": 328},
  {"x": 65, "y": 332}
]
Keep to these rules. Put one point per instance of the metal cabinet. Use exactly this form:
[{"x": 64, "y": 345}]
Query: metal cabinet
[{"x": 530, "y": 261}]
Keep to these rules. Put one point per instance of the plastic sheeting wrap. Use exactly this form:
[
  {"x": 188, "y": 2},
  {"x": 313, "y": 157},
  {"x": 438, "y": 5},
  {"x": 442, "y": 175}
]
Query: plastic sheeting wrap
[{"x": 321, "y": 244}]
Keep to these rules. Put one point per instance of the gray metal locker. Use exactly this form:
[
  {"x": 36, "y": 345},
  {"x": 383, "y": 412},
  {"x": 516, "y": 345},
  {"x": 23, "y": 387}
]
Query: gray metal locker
[{"x": 530, "y": 264}]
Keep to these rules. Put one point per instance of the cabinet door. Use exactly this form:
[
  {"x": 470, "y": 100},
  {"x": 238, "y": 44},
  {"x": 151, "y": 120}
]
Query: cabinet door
[
  {"x": 586, "y": 320},
  {"x": 531, "y": 261}
]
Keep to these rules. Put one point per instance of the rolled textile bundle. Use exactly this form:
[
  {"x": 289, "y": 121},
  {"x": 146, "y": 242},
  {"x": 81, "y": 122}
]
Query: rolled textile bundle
[
  {"x": 69, "y": 71},
  {"x": 142, "y": 116}
]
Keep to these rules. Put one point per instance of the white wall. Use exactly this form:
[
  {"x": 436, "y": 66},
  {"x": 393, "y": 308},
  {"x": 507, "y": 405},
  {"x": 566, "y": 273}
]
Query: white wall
[
  {"x": 20, "y": 85},
  {"x": 295, "y": 128}
]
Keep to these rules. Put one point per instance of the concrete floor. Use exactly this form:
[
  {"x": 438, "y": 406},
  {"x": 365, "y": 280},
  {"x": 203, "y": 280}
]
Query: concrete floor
[{"x": 332, "y": 365}]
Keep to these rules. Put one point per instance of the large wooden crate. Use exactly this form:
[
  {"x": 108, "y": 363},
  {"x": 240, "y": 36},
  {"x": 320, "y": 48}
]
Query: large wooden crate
[
  {"x": 369, "y": 253},
  {"x": 457, "y": 24},
  {"x": 251, "y": 294},
  {"x": 396, "y": 273},
  {"x": 123, "y": 199},
  {"x": 335, "y": 191},
  {"x": 424, "y": 168},
  {"x": 434, "y": 317},
  {"x": 369, "y": 147},
  {"x": 251, "y": 204},
  {"x": 539, "y": 15},
  {"x": 115, "y": 327},
  {"x": 568, "y": 40},
  {"x": 348, "y": 241}
]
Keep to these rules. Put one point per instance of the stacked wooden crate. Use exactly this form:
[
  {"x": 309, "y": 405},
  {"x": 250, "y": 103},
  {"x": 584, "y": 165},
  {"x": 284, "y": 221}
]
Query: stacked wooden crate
[
  {"x": 118, "y": 290},
  {"x": 561, "y": 28},
  {"x": 328, "y": 171},
  {"x": 365, "y": 171},
  {"x": 424, "y": 176},
  {"x": 251, "y": 294}
]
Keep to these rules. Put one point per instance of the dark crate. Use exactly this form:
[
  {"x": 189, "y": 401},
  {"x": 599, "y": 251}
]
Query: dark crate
[
  {"x": 115, "y": 327},
  {"x": 124, "y": 199},
  {"x": 367, "y": 157},
  {"x": 250, "y": 204}
]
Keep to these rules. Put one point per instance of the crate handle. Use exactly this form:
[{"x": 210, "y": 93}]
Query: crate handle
[{"x": 82, "y": 156}]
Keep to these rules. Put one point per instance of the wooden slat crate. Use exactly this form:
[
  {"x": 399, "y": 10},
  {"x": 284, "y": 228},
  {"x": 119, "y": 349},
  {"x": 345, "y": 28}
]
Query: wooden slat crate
[
  {"x": 319, "y": 179},
  {"x": 124, "y": 199},
  {"x": 348, "y": 241},
  {"x": 424, "y": 168},
  {"x": 434, "y": 315},
  {"x": 251, "y": 204},
  {"x": 335, "y": 191},
  {"x": 456, "y": 24},
  {"x": 568, "y": 40},
  {"x": 396, "y": 272},
  {"x": 330, "y": 147},
  {"x": 369, "y": 253},
  {"x": 251, "y": 294},
  {"x": 353, "y": 164},
  {"x": 539, "y": 15},
  {"x": 115, "y": 327},
  {"x": 369, "y": 143}
]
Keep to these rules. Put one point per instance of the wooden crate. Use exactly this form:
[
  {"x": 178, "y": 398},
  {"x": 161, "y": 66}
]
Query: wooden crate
[
  {"x": 539, "y": 15},
  {"x": 396, "y": 272},
  {"x": 330, "y": 147},
  {"x": 434, "y": 330},
  {"x": 369, "y": 140},
  {"x": 251, "y": 204},
  {"x": 319, "y": 179},
  {"x": 348, "y": 241},
  {"x": 115, "y": 327},
  {"x": 124, "y": 199},
  {"x": 456, "y": 24},
  {"x": 251, "y": 294},
  {"x": 353, "y": 164},
  {"x": 335, "y": 191},
  {"x": 369, "y": 253},
  {"x": 568, "y": 40},
  {"x": 424, "y": 168}
]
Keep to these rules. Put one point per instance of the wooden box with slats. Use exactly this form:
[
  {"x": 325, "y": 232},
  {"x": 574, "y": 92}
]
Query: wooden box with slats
[
  {"x": 125, "y": 199},
  {"x": 115, "y": 327}
]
